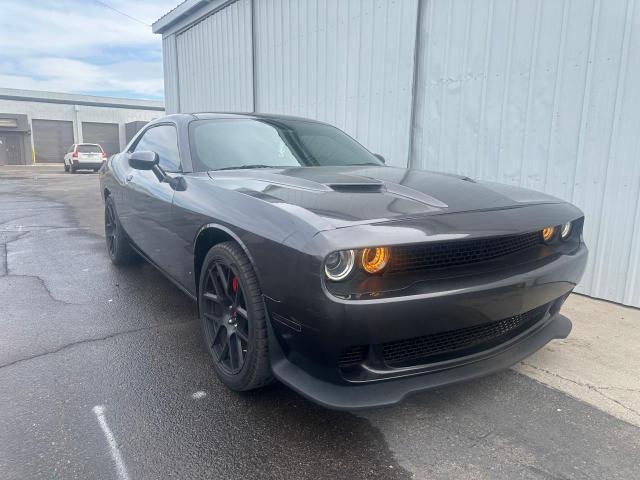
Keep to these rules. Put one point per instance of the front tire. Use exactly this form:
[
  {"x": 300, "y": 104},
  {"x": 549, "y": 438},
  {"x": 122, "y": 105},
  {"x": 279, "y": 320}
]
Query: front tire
[
  {"x": 233, "y": 318},
  {"x": 118, "y": 247},
  {"x": 66, "y": 167}
]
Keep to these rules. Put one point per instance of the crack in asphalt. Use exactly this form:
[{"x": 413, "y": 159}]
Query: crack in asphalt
[
  {"x": 7, "y": 271},
  {"x": 632, "y": 410},
  {"x": 589, "y": 386},
  {"x": 44, "y": 285},
  {"x": 23, "y": 233},
  {"x": 93, "y": 340}
]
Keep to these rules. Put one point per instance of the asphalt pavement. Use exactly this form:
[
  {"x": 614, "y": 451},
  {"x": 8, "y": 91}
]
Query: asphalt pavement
[{"x": 103, "y": 374}]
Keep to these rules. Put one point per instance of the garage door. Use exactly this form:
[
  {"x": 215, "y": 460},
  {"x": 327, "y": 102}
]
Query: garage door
[
  {"x": 51, "y": 139},
  {"x": 11, "y": 149},
  {"x": 104, "y": 134}
]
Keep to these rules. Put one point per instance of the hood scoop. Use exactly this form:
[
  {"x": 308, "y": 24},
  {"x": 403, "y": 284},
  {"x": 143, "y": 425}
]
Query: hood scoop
[{"x": 365, "y": 187}]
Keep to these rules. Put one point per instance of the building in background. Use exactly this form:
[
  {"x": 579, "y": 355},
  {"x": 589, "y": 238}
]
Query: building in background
[
  {"x": 41, "y": 126},
  {"x": 542, "y": 94}
]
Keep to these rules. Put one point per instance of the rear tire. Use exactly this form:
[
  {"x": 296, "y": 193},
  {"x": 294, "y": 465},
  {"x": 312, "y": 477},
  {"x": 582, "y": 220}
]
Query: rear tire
[
  {"x": 118, "y": 246},
  {"x": 66, "y": 167},
  {"x": 73, "y": 169},
  {"x": 233, "y": 318}
]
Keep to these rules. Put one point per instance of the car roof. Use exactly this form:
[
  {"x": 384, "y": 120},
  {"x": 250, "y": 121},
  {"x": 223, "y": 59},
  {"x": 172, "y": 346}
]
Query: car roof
[{"x": 229, "y": 115}]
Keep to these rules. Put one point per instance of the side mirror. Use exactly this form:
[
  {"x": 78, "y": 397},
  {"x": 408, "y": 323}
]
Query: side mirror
[
  {"x": 379, "y": 157},
  {"x": 143, "y": 160}
]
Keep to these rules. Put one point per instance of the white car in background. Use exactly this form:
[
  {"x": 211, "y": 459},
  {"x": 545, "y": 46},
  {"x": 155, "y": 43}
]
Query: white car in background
[{"x": 84, "y": 156}]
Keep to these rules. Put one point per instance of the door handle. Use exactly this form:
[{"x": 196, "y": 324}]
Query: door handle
[{"x": 128, "y": 178}]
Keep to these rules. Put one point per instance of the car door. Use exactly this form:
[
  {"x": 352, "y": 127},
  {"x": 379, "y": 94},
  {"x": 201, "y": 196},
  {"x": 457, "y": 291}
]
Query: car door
[{"x": 149, "y": 199}]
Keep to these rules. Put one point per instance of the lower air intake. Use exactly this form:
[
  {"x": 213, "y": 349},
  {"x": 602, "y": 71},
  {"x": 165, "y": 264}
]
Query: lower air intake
[
  {"x": 457, "y": 343},
  {"x": 352, "y": 356}
]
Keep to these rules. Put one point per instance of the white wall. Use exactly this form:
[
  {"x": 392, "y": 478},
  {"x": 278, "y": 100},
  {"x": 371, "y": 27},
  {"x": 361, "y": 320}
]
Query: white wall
[{"x": 544, "y": 94}]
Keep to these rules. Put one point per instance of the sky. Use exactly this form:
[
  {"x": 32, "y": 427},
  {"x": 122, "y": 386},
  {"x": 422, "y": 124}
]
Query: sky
[{"x": 82, "y": 46}]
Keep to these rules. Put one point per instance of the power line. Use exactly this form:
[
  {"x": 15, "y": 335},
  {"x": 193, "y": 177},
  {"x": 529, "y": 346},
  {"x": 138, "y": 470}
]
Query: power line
[{"x": 121, "y": 13}]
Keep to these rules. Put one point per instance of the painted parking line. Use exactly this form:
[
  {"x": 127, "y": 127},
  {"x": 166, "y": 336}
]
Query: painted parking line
[{"x": 121, "y": 468}]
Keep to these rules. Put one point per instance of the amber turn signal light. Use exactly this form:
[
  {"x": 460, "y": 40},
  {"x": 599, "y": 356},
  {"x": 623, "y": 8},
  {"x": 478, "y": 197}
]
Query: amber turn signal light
[
  {"x": 374, "y": 259},
  {"x": 547, "y": 233}
]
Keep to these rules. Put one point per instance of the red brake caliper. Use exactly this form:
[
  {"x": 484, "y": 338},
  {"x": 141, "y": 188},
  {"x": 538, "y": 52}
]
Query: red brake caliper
[{"x": 234, "y": 289}]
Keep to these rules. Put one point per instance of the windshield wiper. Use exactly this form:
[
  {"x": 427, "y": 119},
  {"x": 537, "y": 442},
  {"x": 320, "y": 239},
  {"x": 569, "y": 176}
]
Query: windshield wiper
[{"x": 244, "y": 167}]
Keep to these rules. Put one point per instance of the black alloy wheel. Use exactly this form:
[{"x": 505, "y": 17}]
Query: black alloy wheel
[
  {"x": 110, "y": 228},
  {"x": 118, "y": 247},
  {"x": 233, "y": 318},
  {"x": 227, "y": 321}
]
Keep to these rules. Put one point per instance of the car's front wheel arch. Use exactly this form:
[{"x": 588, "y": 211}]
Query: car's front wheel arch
[{"x": 208, "y": 237}]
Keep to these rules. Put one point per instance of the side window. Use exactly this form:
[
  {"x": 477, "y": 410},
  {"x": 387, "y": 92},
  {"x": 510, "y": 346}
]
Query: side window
[{"x": 163, "y": 140}]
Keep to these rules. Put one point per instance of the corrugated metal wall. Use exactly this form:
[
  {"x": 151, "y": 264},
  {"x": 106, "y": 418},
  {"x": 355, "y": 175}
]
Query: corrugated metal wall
[
  {"x": 170, "y": 67},
  {"x": 539, "y": 93},
  {"x": 544, "y": 94},
  {"x": 215, "y": 68},
  {"x": 346, "y": 63}
]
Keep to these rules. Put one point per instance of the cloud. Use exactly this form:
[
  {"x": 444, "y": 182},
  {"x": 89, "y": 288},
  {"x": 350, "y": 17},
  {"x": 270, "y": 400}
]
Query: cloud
[
  {"x": 82, "y": 47},
  {"x": 139, "y": 79}
]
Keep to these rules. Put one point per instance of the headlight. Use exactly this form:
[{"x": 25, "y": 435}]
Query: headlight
[
  {"x": 548, "y": 233},
  {"x": 338, "y": 265},
  {"x": 565, "y": 231},
  {"x": 374, "y": 260}
]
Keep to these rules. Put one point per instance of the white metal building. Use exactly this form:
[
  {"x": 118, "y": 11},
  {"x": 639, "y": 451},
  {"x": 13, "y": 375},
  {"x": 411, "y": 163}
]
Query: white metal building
[
  {"x": 41, "y": 126},
  {"x": 543, "y": 93}
]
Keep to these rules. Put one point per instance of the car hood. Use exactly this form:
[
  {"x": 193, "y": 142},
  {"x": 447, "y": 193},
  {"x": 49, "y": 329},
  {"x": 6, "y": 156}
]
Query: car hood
[{"x": 343, "y": 196}]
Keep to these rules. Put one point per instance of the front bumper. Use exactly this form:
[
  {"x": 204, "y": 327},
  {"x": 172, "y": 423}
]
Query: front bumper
[
  {"x": 309, "y": 335},
  {"x": 377, "y": 394}
]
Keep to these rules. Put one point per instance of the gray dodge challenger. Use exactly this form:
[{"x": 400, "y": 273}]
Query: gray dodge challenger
[{"x": 314, "y": 263}]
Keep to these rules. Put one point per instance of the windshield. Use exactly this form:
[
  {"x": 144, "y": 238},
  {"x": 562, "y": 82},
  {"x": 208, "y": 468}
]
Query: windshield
[
  {"x": 254, "y": 143},
  {"x": 89, "y": 148}
]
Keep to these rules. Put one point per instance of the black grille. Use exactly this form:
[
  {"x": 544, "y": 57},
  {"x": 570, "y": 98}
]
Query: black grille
[
  {"x": 455, "y": 253},
  {"x": 352, "y": 356},
  {"x": 460, "y": 342}
]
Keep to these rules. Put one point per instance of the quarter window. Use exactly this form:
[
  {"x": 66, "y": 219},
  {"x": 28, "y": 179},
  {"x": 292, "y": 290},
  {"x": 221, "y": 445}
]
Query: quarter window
[{"x": 162, "y": 140}]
